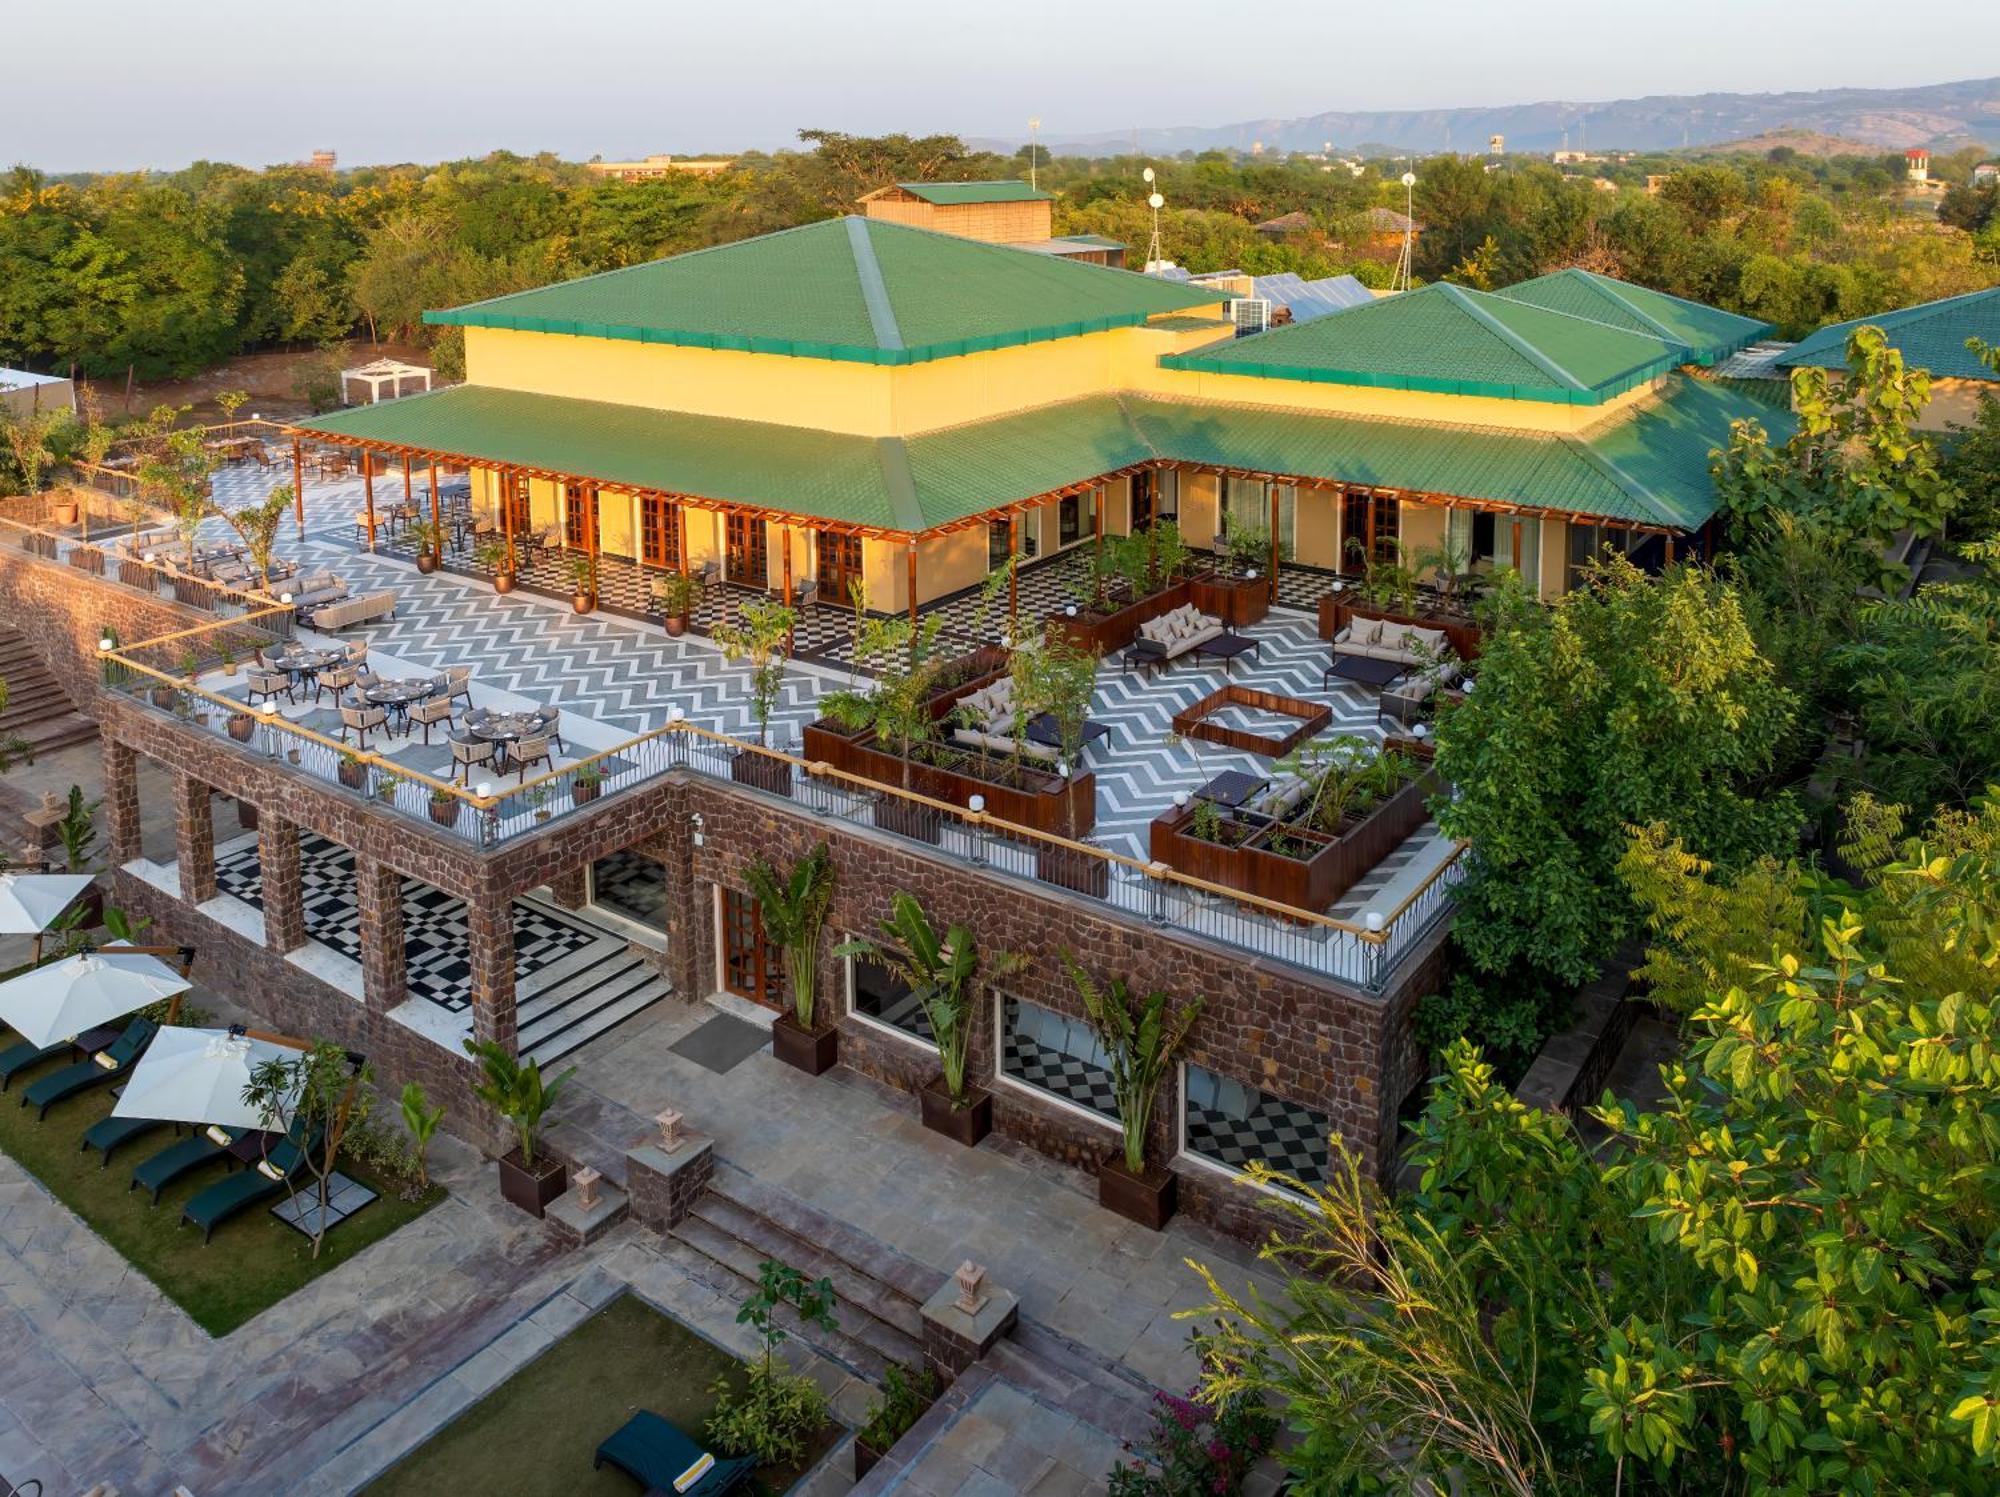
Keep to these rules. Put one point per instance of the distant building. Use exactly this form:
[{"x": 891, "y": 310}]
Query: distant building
[
  {"x": 1985, "y": 172},
  {"x": 1917, "y": 164},
  {"x": 1005, "y": 212},
  {"x": 321, "y": 161},
  {"x": 1286, "y": 223},
  {"x": 23, "y": 394},
  {"x": 661, "y": 166},
  {"x": 1655, "y": 181}
]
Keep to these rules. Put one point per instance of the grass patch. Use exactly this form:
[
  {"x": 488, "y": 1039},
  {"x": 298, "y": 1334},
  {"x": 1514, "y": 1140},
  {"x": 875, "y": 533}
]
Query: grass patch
[
  {"x": 536, "y": 1432},
  {"x": 254, "y": 1261}
]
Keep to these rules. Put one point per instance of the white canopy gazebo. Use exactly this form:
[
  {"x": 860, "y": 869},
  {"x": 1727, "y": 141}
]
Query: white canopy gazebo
[{"x": 380, "y": 372}]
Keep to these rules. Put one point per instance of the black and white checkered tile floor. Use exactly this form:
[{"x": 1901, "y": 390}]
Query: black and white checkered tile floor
[
  {"x": 1288, "y": 1138},
  {"x": 434, "y": 932},
  {"x": 1061, "y": 1075}
]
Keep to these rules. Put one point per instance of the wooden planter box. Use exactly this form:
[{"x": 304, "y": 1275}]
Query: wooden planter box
[
  {"x": 1102, "y": 634},
  {"x": 1310, "y": 717},
  {"x": 1237, "y": 601},
  {"x": 1462, "y": 635},
  {"x": 1076, "y": 871},
  {"x": 814, "y": 1051},
  {"x": 1310, "y": 883},
  {"x": 761, "y": 772},
  {"x": 965, "y": 1125},
  {"x": 1147, "y": 1199},
  {"x": 1038, "y": 800}
]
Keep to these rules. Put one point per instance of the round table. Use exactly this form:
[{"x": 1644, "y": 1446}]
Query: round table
[
  {"x": 504, "y": 728},
  {"x": 399, "y": 696},
  {"x": 307, "y": 662}
]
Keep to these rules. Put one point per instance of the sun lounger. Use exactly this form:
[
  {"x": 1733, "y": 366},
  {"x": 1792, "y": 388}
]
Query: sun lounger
[
  {"x": 210, "y": 1207},
  {"x": 167, "y": 1166},
  {"x": 660, "y": 1458},
  {"x": 106, "y": 1066},
  {"x": 18, "y": 1058},
  {"x": 112, "y": 1134}
]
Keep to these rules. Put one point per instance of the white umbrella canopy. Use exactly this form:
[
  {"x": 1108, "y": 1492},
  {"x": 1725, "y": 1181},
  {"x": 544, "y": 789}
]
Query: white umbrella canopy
[
  {"x": 198, "y": 1076},
  {"x": 80, "y": 992},
  {"x": 30, "y": 901}
]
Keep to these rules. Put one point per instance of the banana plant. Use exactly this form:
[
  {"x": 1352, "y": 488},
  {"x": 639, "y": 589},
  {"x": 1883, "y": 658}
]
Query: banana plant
[
  {"x": 794, "y": 912},
  {"x": 1140, "y": 1037}
]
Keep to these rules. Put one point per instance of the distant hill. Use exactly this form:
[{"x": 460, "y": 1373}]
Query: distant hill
[
  {"x": 1937, "y": 115},
  {"x": 1805, "y": 142}
]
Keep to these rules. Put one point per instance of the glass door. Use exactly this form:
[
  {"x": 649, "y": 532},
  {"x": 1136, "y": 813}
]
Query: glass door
[
  {"x": 751, "y": 966},
  {"x": 520, "y": 510},
  {"x": 1142, "y": 499},
  {"x": 580, "y": 517},
  {"x": 837, "y": 564},
  {"x": 747, "y": 555},
  {"x": 659, "y": 532}
]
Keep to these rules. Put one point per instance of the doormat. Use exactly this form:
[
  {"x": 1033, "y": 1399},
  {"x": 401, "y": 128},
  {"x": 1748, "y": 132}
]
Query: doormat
[{"x": 722, "y": 1044}]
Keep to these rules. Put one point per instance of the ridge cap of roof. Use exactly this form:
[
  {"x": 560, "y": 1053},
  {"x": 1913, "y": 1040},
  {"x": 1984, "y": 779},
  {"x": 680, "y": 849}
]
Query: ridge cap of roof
[
  {"x": 874, "y": 289},
  {"x": 1514, "y": 340}
]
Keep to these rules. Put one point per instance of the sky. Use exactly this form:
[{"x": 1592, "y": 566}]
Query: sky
[{"x": 140, "y": 83}]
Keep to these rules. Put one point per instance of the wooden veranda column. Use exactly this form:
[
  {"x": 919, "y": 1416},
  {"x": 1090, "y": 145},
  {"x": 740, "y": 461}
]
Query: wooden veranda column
[
  {"x": 437, "y": 520},
  {"x": 368, "y": 489},
  {"x": 913, "y": 583},
  {"x": 503, "y": 483},
  {"x": 1517, "y": 543},
  {"x": 1097, "y": 518},
  {"x": 681, "y": 537},
  {"x": 1670, "y": 548},
  {"x": 1274, "y": 542},
  {"x": 1013, "y": 577},
  {"x": 791, "y": 634},
  {"x": 299, "y": 486}
]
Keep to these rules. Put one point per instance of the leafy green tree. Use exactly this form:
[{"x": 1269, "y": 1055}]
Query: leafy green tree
[{"x": 1780, "y": 1281}]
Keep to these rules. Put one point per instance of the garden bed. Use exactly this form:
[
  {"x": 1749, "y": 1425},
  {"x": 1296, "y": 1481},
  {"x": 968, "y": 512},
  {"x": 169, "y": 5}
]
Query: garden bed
[
  {"x": 1238, "y": 601},
  {"x": 537, "y": 1432},
  {"x": 1014, "y": 792},
  {"x": 1101, "y": 633},
  {"x": 1308, "y": 719},
  {"x": 254, "y": 1262}
]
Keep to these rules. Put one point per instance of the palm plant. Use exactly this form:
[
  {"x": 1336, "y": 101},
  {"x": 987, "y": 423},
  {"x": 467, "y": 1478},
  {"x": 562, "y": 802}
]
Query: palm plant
[
  {"x": 514, "y": 1088},
  {"x": 943, "y": 976},
  {"x": 1140, "y": 1037},
  {"x": 761, "y": 640},
  {"x": 794, "y": 912}
]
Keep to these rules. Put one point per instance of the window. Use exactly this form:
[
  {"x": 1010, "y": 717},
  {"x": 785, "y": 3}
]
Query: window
[
  {"x": 1053, "y": 1053},
  {"x": 874, "y": 992},
  {"x": 998, "y": 544},
  {"x": 1370, "y": 524},
  {"x": 1232, "y": 1124},
  {"x": 1588, "y": 543},
  {"x": 1246, "y": 505},
  {"x": 631, "y": 887}
]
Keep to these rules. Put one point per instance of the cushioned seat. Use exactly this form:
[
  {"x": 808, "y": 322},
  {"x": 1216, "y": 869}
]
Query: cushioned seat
[
  {"x": 1384, "y": 639},
  {"x": 210, "y": 1207},
  {"x": 18, "y": 1058},
  {"x": 167, "y": 1166},
  {"x": 662, "y": 1459},
  {"x": 1181, "y": 630},
  {"x": 105, "y": 1066},
  {"x": 112, "y": 1134}
]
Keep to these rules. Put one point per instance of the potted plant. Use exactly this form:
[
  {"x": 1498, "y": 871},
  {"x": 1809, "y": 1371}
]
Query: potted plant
[
  {"x": 190, "y": 664},
  {"x": 164, "y": 694},
  {"x": 538, "y": 799},
  {"x": 445, "y": 806},
  {"x": 944, "y": 977},
  {"x": 424, "y": 536},
  {"x": 242, "y": 726},
  {"x": 497, "y": 557},
  {"x": 794, "y": 913},
  {"x": 385, "y": 787},
  {"x": 582, "y": 580},
  {"x": 676, "y": 596},
  {"x": 907, "y": 1395},
  {"x": 585, "y": 783},
  {"x": 761, "y": 640},
  {"x": 77, "y": 832},
  {"x": 1140, "y": 1038},
  {"x": 353, "y": 773},
  {"x": 514, "y": 1088}
]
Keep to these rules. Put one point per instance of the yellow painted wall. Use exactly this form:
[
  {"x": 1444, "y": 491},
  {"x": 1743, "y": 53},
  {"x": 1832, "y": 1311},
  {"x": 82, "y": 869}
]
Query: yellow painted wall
[
  {"x": 1423, "y": 530},
  {"x": 617, "y": 523},
  {"x": 1955, "y": 402},
  {"x": 1118, "y": 507},
  {"x": 1316, "y": 528},
  {"x": 1554, "y": 558},
  {"x": 1198, "y": 508}
]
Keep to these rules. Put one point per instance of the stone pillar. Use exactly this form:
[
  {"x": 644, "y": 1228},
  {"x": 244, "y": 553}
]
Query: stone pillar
[
  {"x": 664, "y": 1186},
  {"x": 963, "y": 1320},
  {"x": 378, "y": 899},
  {"x": 284, "y": 889},
  {"x": 568, "y": 889},
  {"x": 121, "y": 803},
  {"x": 489, "y": 934},
  {"x": 194, "y": 828}
]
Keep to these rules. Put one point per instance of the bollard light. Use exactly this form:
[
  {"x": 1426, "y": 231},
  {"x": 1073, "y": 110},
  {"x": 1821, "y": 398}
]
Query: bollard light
[
  {"x": 1373, "y": 920},
  {"x": 976, "y": 804}
]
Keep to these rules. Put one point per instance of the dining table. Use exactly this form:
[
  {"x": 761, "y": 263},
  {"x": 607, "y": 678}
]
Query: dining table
[
  {"x": 398, "y": 696},
  {"x": 306, "y": 663},
  {"x": 503, "y": 729}
]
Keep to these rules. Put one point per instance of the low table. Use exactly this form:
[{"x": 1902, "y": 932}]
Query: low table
[
  {"x": 1226, "y": 647},
  {"x": 1148, "y": 654},
  {"x": 1042, "y": 730},
  {"x": 1311, "y": 717},
  {"x": 1363, "y": 670},
  {"x": 1231, "y": 788}
]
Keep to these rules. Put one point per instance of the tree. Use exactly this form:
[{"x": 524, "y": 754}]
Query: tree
[
  {"x": 1633, "y": 699},
  {"x": 1053, "y": 674},
  {"x": 174, "y": 470},
  {"x": 1779, "y": 1281},
  {"x": 313, "y": 1099},
  {"x": 257, "y": 525},
  {"x": 1140, "y": 1038},
  {"x": 765, "y": 632}
]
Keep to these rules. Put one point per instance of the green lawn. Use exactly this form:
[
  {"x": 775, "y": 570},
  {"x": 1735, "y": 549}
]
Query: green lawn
[
  {"x": 254, "y": 1261},
  {"x": 535, "y": 1433}
]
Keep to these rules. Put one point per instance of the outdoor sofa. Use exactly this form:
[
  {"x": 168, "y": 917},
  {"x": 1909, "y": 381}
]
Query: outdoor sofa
[
  {"x": 662, "y": 1459},
  {"x": 1385, "y": 639},
  {"x": 346, "y": 613},
  {"x": 1181, "y": 630},
  {"x": 986, "y": 721}
]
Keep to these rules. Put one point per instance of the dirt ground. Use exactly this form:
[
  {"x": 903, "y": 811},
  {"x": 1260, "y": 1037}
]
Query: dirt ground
[{"x": 271, "y": 379}]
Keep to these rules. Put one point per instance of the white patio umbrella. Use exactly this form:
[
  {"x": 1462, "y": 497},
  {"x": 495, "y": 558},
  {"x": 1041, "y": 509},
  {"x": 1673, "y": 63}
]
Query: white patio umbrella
[
  {"x": 198, "y": 1076},
  {"x": 30, "y": 901},
  {"x": 80, "y": 992}
]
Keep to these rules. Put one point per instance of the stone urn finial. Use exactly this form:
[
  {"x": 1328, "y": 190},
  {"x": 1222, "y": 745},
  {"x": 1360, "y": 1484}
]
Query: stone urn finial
[
  {"x": 670, "y": 1130},
  {"x": 971, "y": 1280},
  {"x": 586, "y": 1187}
]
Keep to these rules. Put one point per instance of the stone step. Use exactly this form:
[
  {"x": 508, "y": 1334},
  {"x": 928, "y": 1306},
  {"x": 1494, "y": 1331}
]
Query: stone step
[
  {"x": 852, "y": 1283},
  {"x": 595, "y": 1005},
  {"x": 1066, "y": 1375},
  {"x": 599, "y": 1021},
  {"x": 862, "y": 1342},
  {"x": 575, "y": 974},
  {"x": 39, "y": 712},
  {"x": 905, "y": 1275}
]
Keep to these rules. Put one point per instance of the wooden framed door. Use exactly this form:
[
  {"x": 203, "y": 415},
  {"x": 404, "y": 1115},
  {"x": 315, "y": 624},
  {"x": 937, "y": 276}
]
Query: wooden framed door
[
  {"x": 752, "y": 967},
  {"x": 746, "y": 551},
  {"x": 837, "y": 565},
  {"x": 520, "y": 519},
  {"x": 659, "y": 532},
  {"x": 580, "y": 517},
  {"x": 1142, "y": 499}
]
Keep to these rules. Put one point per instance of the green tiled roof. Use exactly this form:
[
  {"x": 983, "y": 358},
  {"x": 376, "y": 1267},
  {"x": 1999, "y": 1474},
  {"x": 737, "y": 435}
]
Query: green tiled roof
[
  {"x": 1707, "y": 333},
  {"x": 852, "y": 289},
  {"x": 1447, "y": 339},
  {"x": 948, "y": 194},
  {"x": 1929, "y": 336},
  {"x": 1647, "y": 464}
]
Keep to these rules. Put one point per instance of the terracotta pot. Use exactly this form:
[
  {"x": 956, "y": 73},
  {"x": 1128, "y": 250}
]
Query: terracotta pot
[
  {"x": 62, "y": 512},
  {"x": 583, "y": 795},
  {"x": 242, "y": 726},
  {"x": 1147, "y": 1199},
  {"x": 676, "y": 626},
  {"x": 764, "y": 773},
  {"x": 584, "y": 602},
  {"x": 966, "y": 1125},
  {"x": 445, "y": 812},
  {"x": 503, "y": 582},
  {"x": 164, "y": 696},
  {"x": 532, "y": 1187},
  {"x": 814, "y": 1051},
  {"x": 426, "y": 563},
  {"x": 353, "y": 776}
]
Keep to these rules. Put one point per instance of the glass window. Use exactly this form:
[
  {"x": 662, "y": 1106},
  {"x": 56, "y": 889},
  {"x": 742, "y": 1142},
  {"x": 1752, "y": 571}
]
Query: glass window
[
  {"x": 875, "y": 992},
  {"x": 1054, "y": 1053},
  {"x": 632, "y": 886},
  {"x": 1232, "y": 1123},
  {"x": 1369, "y": 519}
]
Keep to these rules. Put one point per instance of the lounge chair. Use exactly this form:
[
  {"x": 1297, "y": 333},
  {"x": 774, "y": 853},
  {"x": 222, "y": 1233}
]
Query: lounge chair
[
  {"x": 662, "y": 1459},
  {"x": 106, "y": 1066},
  {"x": 112, "y": 1134},
  {"x": 191, "y": 1153},
  {"x": 18, "y": 1058},
  {"x": 234, "y": 1194}
]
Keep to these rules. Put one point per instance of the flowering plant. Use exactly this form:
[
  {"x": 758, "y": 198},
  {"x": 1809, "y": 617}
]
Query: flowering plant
[{"x": 1197, "y": 1449}]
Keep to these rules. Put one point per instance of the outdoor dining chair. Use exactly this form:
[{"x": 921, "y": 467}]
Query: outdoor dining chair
[
  {"x": 336, "y": 680},
  {"x": 363, "y": 719},
  {"x": 458, "y": 683},
  {"x": 266, "y": 684},
  {"x": 465, "y": 753},
  {"x": 432, "y": 711},
  {"x": 531, "y": 751}
]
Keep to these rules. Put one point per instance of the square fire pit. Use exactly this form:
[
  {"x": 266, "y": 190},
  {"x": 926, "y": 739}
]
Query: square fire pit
[{"x": 1310, "y": 716}]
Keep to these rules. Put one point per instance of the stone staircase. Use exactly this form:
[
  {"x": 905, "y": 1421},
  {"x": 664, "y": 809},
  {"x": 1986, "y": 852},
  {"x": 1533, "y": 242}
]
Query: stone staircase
[
  {"x": 38, "y": 711},
  {"x": 571, "y": 1002},
  {"x": 740, "y": 1223}
]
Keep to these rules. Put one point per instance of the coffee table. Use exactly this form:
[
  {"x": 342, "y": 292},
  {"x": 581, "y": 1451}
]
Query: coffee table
[
  {"x": 1042, "y": 730},
  {"x": 1226, "y": 647},
  {"x": 1231, "y": 788},
  {"x": 1148, "y": 654},
  {"x": 1363, "y": 670}
]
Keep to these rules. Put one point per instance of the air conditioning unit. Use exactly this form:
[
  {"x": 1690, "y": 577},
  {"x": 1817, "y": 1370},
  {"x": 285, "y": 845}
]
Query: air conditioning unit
[{"x": 1251, "y": 314}]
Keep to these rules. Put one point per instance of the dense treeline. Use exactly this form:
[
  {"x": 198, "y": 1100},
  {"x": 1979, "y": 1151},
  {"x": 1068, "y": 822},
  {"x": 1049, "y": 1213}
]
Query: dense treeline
[{"x": 167, "y": 274}]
